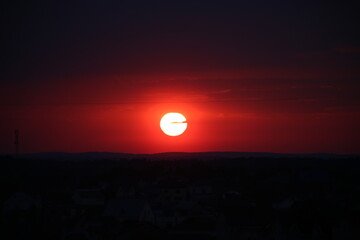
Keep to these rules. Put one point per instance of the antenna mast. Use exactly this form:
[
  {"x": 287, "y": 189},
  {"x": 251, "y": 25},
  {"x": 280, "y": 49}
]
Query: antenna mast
[{"x": 16, "y": 142}]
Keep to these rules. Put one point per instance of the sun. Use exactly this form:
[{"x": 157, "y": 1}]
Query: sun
[{"x": 173, "y": 124}]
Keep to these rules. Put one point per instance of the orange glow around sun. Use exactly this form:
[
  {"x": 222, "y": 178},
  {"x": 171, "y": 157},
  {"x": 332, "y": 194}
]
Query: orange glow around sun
[{"x": 173, "y": 124}]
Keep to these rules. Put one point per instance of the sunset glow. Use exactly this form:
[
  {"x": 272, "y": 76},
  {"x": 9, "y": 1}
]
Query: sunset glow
[
  {"x": 249, "y": 77},
  {"x": 173, "y": 124}
]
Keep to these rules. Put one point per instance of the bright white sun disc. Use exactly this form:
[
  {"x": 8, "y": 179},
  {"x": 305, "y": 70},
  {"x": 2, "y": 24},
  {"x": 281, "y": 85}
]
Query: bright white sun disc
[{"x": 173, "y": 124}]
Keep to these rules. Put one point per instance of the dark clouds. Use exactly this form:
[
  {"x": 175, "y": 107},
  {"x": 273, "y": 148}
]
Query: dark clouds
[{"x": 58, "y": 39}]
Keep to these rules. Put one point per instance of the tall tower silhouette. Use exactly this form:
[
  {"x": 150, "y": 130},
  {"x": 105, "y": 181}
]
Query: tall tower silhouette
[{"x": 16, "y": 142}]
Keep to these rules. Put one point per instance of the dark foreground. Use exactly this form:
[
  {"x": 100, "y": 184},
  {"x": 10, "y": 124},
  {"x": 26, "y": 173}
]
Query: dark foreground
[{"x": 173, "y": 198}]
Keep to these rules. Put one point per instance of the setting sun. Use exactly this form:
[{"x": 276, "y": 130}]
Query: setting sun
[{"x": 173, "y": 124}]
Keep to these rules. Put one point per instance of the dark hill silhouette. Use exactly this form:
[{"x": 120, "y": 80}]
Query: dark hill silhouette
[{"x": 175, "y": 155}]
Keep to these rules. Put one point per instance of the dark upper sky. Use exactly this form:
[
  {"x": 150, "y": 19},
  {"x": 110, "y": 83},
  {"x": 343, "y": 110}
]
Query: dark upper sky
[{"x": 280, "y": 76}]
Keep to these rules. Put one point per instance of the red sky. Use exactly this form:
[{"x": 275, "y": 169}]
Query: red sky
[
  {"x": 229, "y": 113},
  {"x": 281, "y": 78}
]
